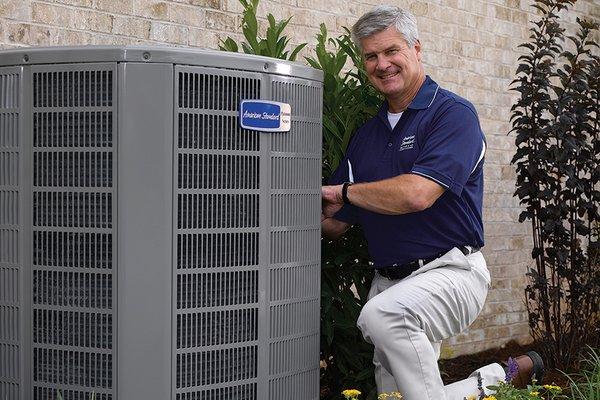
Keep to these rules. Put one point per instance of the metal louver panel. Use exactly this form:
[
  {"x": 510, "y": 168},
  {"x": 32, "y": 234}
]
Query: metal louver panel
[
  {"x": 294, "y": 269},
  {"x": 216, "y": 225},
  {"x": 11, "y": 264},
  {"x": 74, "y": 293}
]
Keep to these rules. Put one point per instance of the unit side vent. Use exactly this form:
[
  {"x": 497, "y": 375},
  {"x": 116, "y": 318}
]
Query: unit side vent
[
  {"x": 47, "y": 393},
  {"x": 10, "y": 233},
  {"x": 216, "y": 220},
  {"x": 294, "y": 282},
  {"x": 294, "y": 270},
  {"x": 290, "y": 355},
  {"x": 212, "y": 367},
  {"x": 73, "y": 232},
  {"x": 238, "y": 392},
  {"x": 294, "y": 387}
]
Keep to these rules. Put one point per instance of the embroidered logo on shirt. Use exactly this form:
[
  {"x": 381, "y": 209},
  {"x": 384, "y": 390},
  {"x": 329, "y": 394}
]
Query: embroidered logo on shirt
[{"x": 407, "y": 143}]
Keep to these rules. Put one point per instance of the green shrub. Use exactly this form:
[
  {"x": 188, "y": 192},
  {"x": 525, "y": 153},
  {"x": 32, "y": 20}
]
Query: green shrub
[
  {"x": 348, "y": 101},
  {"x": 274, "y": 44}
]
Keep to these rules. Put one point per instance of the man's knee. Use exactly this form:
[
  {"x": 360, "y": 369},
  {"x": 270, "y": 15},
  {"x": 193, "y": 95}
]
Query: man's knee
[{"x": 377, "y": 318}]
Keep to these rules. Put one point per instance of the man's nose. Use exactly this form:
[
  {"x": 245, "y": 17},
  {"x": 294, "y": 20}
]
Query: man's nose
[{"x": 383, "y": 63}]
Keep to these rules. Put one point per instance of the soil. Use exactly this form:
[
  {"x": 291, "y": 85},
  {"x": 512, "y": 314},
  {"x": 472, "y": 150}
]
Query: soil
[{"x": 458, "y": 368}]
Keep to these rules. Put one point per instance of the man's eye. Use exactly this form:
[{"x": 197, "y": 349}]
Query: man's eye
[
  {"x": 370, "y": 57},
  {"x": 391, "y": 52}
]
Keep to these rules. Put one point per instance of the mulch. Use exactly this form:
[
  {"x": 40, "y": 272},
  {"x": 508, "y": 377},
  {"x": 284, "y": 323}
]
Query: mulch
[{"x": 458, "y": 368}]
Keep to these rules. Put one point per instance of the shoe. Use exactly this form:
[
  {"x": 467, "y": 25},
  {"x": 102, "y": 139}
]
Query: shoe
[{"x": 523, "y": 369}]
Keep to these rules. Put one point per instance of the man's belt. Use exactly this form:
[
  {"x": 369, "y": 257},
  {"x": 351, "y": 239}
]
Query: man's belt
[{"x": 402, "y": 271}]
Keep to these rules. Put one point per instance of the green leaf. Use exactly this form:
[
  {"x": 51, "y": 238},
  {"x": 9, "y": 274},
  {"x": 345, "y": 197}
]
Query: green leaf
[
  {"x": 229, "y": 45},
  {"x": 297, "y": 50}
]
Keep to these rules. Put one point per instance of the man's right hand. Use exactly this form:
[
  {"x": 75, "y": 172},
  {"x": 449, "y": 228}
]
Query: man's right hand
[{"x": 332, "y": 202}]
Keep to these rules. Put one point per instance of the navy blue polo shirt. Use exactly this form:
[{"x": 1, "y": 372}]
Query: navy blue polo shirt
[{"x": 438, "y": 137}]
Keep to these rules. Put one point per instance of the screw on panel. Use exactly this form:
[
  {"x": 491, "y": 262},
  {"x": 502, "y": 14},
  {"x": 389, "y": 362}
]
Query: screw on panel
[
  {"x": 146, "y": 56},
  {"x": 26, "y": 58}
]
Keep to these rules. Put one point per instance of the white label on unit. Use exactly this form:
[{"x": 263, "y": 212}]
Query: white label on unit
[{"x": 266, "y": 116}]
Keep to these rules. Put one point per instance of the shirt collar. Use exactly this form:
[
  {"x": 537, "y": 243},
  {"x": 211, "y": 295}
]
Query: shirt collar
[{"x": 424, "y": 98}]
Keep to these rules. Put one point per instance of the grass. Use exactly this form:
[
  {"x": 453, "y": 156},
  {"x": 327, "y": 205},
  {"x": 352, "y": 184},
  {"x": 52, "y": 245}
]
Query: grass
[{"x": 585, "y": 385}]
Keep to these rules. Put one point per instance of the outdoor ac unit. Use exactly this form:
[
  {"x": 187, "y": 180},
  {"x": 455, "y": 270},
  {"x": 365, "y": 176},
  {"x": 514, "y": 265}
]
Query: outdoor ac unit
[{"x": 150, "y": 247}]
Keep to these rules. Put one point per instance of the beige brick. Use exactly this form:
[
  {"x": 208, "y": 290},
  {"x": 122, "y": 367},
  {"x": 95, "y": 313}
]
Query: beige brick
[
  {"x": 51, "y": 14},
  {"x": 315, "y": 19},
  {"x": 111, "y": 40},
  {"x": 500, "y": 283},
  {"x": 221, "y": 21},
  {"x": 168, "y": 33},
  {"x": 95, "y": 21},
  {"x": 186, "y": 15},
  {"x": 344, "y": 21},
  {"x": 117, "y": 7},
  {"x": 79, "y": 3},
  {"x": 18, "y": 33},
  {"x": 131, "y": 26},
  {"x": 72, "y": 38},
  {"x": 232, "y": 6},
  {"x": 496, "y": 332},
  {"x": 215, "y": 4},
  {"x": 500, "y": 214},
  {"x": 521, "y": 330},
  {"x": 41, "y": 35},
  {"x": 204, "y": 38},
  {"x": 151, "y": 9},
  {"x": 15, "y": 9}
]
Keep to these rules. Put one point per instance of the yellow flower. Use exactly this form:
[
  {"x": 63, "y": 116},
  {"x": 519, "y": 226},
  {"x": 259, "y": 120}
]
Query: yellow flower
[
  {"x": 351, "y": 394},
  {"x": 534, "y": 394},
  {"x": 490, "y": 398},
  {"x": 391, "y": 396},
  {"x": 553, "y": 388}
]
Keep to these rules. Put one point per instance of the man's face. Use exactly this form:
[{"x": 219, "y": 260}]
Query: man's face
[{"x": 392, "y": 66}]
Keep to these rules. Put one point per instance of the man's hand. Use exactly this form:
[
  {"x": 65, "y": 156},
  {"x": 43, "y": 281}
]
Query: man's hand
[{"x": 332, "y": 201}]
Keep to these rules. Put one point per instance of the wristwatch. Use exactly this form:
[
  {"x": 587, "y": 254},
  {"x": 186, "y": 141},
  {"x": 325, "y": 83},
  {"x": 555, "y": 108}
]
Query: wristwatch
[{"x": 345, "y": 192}]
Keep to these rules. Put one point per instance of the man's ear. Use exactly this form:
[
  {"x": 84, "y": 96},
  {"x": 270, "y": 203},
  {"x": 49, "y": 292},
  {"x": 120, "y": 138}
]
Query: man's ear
[{"x": 417, "y": 47}]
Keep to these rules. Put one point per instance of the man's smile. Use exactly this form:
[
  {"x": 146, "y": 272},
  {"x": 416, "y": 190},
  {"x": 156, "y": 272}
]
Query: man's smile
[{"x": 388, "y": 75}]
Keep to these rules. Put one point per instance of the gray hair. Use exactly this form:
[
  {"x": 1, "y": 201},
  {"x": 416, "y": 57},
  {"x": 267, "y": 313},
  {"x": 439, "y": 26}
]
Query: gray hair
[{"x": 382, "y": 17}]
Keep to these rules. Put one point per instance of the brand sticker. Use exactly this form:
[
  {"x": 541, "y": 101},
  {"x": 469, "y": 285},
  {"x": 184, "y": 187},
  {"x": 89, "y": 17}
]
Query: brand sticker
[{"x": 266, "y": 116}]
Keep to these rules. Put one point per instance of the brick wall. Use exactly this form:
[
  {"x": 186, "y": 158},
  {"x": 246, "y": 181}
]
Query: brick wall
[{"x": 470, "y": 47}]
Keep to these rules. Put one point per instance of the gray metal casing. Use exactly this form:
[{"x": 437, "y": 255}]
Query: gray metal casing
[{"x": 150, "y": 248}]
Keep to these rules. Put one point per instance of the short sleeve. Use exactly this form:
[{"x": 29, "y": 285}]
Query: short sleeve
[
  {"x": 348, "y": 213},
  {"x": 452, "y": 149}
]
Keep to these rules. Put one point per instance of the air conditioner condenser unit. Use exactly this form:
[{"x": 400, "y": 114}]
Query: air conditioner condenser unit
[{"x": 159, "y": 225}]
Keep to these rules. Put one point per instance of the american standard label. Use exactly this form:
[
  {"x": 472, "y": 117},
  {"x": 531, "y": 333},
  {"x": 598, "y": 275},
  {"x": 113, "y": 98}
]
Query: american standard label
[{"x": 266, "y": 116}]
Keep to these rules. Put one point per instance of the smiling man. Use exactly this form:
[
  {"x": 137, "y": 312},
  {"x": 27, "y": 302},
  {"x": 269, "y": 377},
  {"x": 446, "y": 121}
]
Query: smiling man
[{"x": 412, "y": 178}]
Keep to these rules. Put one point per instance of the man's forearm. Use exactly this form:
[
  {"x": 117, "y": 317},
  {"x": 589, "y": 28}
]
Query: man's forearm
[{"x": 398, "y": 195}]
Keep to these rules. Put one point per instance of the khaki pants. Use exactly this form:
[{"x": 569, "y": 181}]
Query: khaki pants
[{"x": 407, "y": 319}]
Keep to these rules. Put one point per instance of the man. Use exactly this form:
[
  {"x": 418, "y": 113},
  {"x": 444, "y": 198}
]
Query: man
[{"x": 413, "y": 179}]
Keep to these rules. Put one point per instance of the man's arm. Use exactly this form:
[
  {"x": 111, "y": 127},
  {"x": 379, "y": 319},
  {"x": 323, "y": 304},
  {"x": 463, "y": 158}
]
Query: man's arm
[{"x": 401, "y": 194}]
